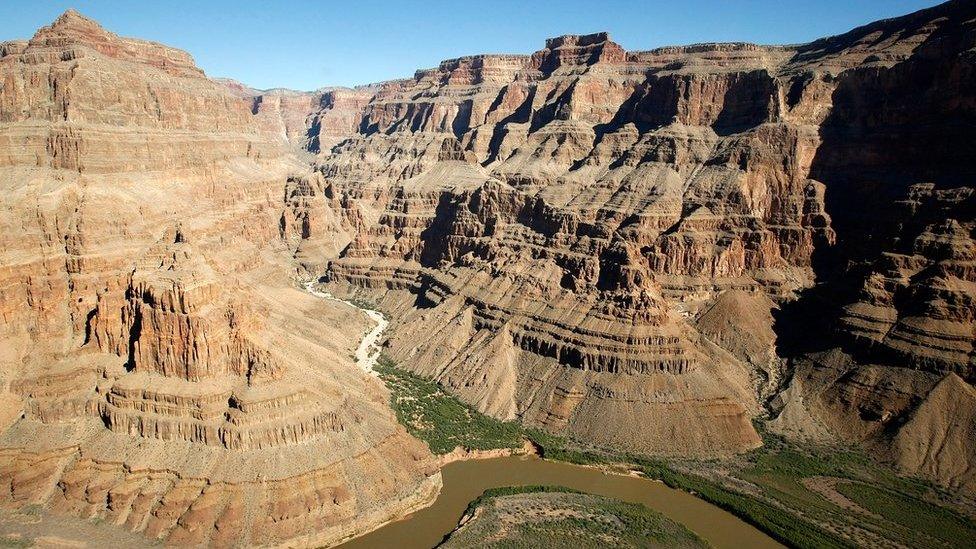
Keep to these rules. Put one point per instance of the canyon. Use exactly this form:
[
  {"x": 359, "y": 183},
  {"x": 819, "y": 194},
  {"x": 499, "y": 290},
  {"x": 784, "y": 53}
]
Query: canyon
[{"x": 648, "y": 252}]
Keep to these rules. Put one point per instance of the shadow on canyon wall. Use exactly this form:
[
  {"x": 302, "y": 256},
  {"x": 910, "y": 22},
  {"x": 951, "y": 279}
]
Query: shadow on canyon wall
[{"x": 889, "y": 129}]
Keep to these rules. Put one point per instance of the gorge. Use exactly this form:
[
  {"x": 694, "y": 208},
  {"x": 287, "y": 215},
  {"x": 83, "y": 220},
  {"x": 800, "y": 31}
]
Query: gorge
[{"x": 678, "y": 254}]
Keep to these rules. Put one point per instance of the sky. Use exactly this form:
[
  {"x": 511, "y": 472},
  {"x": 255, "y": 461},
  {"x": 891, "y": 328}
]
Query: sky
[{"x": 305, "y": 45}]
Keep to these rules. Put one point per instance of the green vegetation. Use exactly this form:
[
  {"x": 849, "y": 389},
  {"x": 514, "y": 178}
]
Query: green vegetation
[
  {"x": 644, "y": 527},
  {"x": 926, "y": 525},
  {"x": 558, "y": 448},
  {"x": 441, "y": 420},
  {"x": 512, "y": 490},
  {"x": 781, "y": 504},
  {"x": 895, "y": 509},
  {"x": 782, "y": 488},
  {"x": 528, "y": 489},
  {"x": 782, "y": 525},
  {"x": 363, "y": 303},
  {"x": 785, "y": 473},
  {"x": 16, "y": 542},
  {"x": 552, "y": 512}
]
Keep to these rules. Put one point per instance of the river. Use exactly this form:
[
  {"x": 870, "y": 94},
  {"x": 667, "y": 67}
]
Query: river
[{"x": 466, "y": 480}]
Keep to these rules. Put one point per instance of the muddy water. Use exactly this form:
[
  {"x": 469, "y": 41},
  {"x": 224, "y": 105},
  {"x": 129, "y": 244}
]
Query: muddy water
[{"x": 466, "y": 480}]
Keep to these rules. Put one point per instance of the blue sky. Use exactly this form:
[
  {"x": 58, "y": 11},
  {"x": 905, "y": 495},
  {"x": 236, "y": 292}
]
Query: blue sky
[{"x": 303, "y": 44}]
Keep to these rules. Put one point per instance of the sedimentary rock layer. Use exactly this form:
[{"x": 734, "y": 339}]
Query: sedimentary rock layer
[
  {"x": 561, "y": 220},
  {"x": 160, "y": 370},
  {"x": 635, "y": 249}
]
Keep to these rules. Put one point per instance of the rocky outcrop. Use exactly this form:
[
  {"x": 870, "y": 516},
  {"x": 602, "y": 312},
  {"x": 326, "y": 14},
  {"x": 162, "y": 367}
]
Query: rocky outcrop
[
  {"x": 897, "y": 290},
  {"x": 557, "y": 194},
  {"x": 159, "y": 369},
  {"x": 920, "y": 421},
  {"x": 143, "y": 104},
  {"x": 937, "y": 441}
]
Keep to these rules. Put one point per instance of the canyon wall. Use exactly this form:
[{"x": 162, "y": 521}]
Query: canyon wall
[
  {"x": 160, "y": 369},
  {"x": 642, "y": 250}
]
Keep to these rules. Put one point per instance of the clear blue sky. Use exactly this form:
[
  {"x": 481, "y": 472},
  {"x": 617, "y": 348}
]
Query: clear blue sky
[{"x": 304, "y": 44}]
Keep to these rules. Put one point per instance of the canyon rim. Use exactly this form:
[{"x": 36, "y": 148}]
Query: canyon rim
[{"x": 645, "y": 252}]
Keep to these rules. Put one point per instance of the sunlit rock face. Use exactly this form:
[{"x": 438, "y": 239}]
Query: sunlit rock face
[
  {"x": 640, "y": 250},
  {"x": 557, "y": 234},
  {"x": 159, "y": 369}
]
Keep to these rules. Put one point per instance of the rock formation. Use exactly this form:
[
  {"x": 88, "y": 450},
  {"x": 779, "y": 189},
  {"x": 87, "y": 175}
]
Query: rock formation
[
  {"x": 640, "y": 250},
  {"x": 160, "y": 370}
]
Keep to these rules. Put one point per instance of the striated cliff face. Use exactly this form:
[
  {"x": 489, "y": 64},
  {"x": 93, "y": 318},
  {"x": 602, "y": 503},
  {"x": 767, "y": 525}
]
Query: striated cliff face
[
  {"x": 897, "y": 159},
  {"x": 638, "y": 249},
  {"x": 159, "y": 369},
  {"x": 558, "y": 216},
  {"x": 641, "y": 250}
]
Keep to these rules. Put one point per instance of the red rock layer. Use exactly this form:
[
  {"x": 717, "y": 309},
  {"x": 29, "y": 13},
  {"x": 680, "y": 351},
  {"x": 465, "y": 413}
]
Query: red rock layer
[
  {"x": 577, "y": 207},
  {"x": 159, "y": 370}
]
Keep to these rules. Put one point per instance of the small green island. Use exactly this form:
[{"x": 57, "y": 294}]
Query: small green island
[{"x": 534, "y": 516}]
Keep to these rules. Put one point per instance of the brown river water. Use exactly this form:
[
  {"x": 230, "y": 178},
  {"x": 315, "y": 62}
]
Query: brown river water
[{"x": 466, "y": 480}]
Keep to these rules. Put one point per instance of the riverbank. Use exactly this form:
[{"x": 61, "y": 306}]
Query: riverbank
[
  {"x": 466, "y": 454},
  {"x": 465, "y": 481},
  {"x": 400, "y": 510},
  {"x": 768, "y": 487},
  {"x": 463, "y": 439},
  {"x": 534, "y": 516}
]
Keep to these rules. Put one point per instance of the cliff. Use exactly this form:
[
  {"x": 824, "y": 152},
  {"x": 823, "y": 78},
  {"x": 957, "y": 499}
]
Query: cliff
[
  {"x": 643, "y": 251},
  {"x": 159, "y": 369},
  {"x": 570, "y": 225}
]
